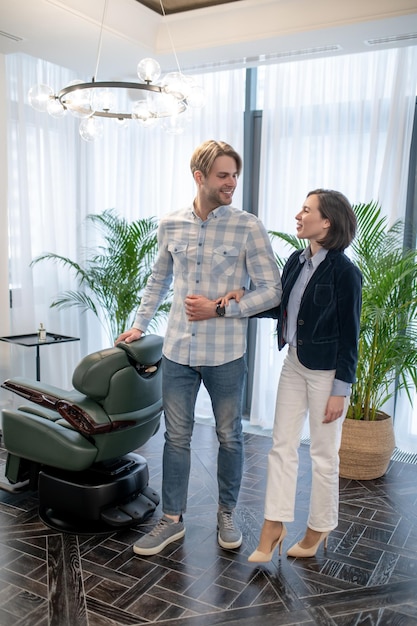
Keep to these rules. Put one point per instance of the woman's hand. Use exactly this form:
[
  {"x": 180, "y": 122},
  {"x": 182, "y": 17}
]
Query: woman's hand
[
  {"x": 236, "y": 294},
  {"x": 334, "y": 409}
]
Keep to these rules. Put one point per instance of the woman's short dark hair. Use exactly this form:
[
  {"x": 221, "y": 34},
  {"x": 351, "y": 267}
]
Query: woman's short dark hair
[
  {"x": 204, "y": 156},
  {"x": 335, "y": 207}
]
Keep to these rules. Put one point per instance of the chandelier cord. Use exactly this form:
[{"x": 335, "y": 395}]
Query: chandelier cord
[
  {"x": 170, "y": 38},
  {"x": 100, "y": 41},
  {"x": 94, "y": 100}
]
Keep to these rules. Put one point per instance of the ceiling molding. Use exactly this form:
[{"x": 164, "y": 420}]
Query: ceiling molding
[
  {"x": 231, "y": 34},
  {"x": 180, "y": 6}
]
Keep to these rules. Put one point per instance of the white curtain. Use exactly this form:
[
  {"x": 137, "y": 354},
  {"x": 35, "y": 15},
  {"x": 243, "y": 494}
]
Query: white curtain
[
  {"x": 56, "y": 179},
  {"x": 343, "y": 123},
  {"x": 43, "y": 157}
]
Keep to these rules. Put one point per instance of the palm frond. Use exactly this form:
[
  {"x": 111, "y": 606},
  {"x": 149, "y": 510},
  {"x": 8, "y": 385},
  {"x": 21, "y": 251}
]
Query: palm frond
[
  {"x": 81, "y": 300},
  {"x": 114, "y": 273},
  {"x": 388, "y": 338},
  {"x": 80, "y": 272},
  {"x": 292, "y": 241}
]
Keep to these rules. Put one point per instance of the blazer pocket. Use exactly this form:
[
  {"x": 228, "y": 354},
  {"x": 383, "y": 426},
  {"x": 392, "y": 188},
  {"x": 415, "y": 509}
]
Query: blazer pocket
[{"x": 323, "y": 295}]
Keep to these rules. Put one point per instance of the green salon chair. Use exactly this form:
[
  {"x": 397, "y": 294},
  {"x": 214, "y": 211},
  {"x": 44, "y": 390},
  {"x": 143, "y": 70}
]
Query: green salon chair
[{"x": 76, "y": 448}]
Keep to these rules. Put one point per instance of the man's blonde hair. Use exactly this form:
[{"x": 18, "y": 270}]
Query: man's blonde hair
[{"x": 205, "y": 155}]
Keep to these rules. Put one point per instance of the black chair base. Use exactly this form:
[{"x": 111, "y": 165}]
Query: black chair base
[
  {"x": 76, "y": 446},
  {"x": 102, "y": 499}
]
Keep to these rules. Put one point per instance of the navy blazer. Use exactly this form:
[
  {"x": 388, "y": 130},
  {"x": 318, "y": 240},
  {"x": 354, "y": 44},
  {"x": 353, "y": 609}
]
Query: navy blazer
[{"x": 329, "y": 317}]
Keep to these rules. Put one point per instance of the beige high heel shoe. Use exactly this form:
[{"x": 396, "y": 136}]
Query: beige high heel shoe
[
  {"x": 264, "y": 557},
  {"x": 301, "y": 553}
]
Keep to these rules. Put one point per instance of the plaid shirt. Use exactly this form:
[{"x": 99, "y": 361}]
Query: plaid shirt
[{"x": 230, "y": 250}]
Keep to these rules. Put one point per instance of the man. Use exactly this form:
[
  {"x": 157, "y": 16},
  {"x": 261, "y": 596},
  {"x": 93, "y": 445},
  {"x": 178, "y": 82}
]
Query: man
[{"x": 209, "y": 249}]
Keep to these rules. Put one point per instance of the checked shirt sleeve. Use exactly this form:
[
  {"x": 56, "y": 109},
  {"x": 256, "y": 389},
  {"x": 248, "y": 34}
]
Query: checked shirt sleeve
[
  {"x": 265, "y": 280},
  {"x": 157, "y": 286}
]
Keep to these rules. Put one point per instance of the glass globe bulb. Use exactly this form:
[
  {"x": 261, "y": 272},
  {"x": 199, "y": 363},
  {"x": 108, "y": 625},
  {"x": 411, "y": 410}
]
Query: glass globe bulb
[
  {"x": 142, "y": 114},
  {"x": 39, "y": 96},
  {"x": 78, "y": 103},
  {"x": 177, "y": 85},
  {"x": 149, "y": 70},
  {"x": 55, "y": 108},
  {"x": 164, "y": 104},
  {"x": 103, "y": 100},
  {"x": 91, "y": 128}
]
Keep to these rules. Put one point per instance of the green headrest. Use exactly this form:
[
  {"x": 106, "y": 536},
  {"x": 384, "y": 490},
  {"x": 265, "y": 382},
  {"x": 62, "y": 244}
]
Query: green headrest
[{"x": 93, "y": 375}]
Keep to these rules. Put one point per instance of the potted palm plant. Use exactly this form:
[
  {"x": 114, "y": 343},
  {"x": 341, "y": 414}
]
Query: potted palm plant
[
  {"x": 112, "y": 277},
  {"x": 387, "y": 357}
]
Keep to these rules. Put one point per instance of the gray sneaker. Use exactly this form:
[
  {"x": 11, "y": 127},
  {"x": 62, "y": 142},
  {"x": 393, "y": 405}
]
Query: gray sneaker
[
  {"x": 165, "y": 532},
  {"x": 229, "y": 536}
]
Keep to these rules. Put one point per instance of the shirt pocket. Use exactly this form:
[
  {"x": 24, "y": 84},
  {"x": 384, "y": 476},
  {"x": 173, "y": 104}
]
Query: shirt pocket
[
  {"x": 178, "y": 252},
  {"x": 224, "y": 260}
]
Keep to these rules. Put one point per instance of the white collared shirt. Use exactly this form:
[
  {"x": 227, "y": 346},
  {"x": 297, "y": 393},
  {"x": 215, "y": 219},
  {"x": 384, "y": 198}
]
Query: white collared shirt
[{"x": 310, "y": 265}]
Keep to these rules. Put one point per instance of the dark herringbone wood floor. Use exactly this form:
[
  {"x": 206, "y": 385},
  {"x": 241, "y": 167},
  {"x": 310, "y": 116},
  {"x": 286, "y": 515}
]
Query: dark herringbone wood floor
[{"x": 367, "y": 575}]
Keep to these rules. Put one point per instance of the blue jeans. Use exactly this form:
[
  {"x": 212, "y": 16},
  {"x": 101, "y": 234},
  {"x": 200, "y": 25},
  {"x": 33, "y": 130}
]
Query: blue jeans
[{"x": 180, "y": 385}]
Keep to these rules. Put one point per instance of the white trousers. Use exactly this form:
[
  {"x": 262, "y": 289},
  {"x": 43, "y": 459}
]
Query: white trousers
[{"x": 303, "y": 392}]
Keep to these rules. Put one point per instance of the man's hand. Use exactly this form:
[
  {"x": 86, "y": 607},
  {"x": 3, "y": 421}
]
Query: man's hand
[
  {"x": 199, "y": 308},
  {"x": 129, "y": 335}
]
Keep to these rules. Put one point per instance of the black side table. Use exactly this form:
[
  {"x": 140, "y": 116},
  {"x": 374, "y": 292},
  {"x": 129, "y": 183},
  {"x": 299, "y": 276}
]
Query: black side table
[{"x": 32, "y": 340}]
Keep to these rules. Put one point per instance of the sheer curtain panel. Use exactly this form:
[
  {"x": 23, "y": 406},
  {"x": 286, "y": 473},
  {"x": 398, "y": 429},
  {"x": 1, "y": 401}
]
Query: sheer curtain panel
[
  {"x": 56, "y": 179},
  {"x": 343, "y": 123}
]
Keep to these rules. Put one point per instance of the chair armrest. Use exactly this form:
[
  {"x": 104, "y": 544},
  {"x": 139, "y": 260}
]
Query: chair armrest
[
  {"x": 79, "y": 419},
  {"x": 46, "y": 400},
  {"x": 84, "y": 423}
]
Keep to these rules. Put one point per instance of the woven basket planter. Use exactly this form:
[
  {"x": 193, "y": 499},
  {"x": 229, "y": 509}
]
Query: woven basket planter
[{"x": 366, "y": 448}]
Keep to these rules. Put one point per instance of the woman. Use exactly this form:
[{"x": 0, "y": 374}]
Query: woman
[{"x": 319, "y": 320}]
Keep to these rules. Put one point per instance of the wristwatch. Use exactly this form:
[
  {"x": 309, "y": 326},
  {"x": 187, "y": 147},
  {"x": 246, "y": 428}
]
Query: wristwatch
[{"x": 220, "y": 310}]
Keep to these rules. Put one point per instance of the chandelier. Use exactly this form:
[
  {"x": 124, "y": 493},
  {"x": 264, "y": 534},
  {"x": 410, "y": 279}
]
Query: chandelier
[{"x": 153, "y": 101}]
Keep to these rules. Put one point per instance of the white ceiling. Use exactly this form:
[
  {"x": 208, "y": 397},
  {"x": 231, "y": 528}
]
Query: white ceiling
[{"x": 67, "y": 32}]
